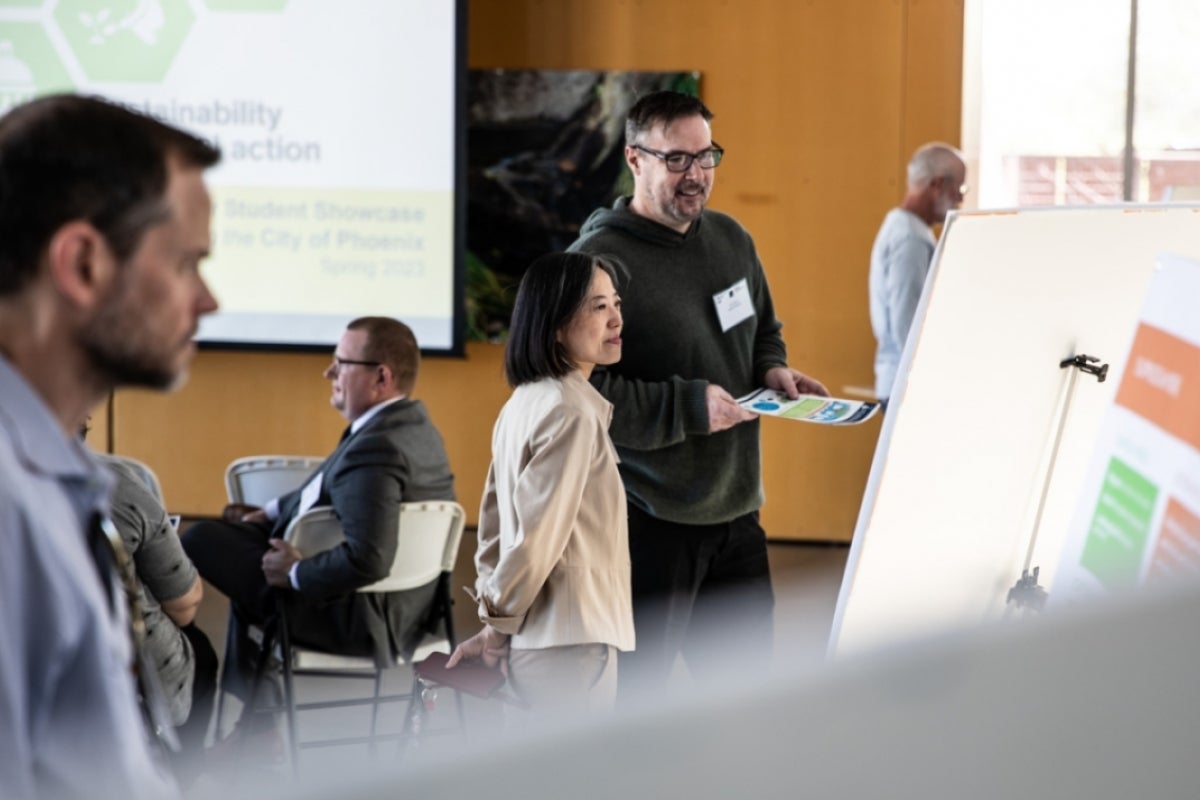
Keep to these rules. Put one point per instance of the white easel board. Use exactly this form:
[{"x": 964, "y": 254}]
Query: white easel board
[{"x": 948, "y": 512}]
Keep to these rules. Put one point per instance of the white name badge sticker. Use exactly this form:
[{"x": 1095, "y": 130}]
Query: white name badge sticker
[
  {"x": 733, "y": 305},
  {"x": 310, "y": 493}
]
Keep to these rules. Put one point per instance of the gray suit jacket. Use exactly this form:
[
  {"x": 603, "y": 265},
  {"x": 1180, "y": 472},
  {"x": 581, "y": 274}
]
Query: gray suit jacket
[{"x": 398, "y": 456}]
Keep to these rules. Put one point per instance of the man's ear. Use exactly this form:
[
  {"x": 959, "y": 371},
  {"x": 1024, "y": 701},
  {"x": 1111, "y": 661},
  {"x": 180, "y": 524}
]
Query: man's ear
[
  {"x": 81, "y": 263},
  {"x": 631, "y": 158},
  {"x": 384, "y": 378}
]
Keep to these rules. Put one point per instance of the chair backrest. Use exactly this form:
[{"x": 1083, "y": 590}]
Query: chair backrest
[
  {"x": 450, "y": 555},
  {"x": 255, "y": 480},
  {"x": 142, "y": 470},
  {"x": 429, "y": 535}
]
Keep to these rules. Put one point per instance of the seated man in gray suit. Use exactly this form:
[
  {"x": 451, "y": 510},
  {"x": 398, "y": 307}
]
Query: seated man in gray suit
[{"x": 390, "y": 454}]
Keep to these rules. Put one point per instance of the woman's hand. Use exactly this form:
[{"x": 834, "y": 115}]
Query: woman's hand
[{"x": 488, "y": 646}]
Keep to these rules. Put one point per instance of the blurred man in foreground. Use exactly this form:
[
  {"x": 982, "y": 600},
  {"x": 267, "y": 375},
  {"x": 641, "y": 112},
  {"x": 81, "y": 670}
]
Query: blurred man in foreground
[{"x": 104, "y": 220}]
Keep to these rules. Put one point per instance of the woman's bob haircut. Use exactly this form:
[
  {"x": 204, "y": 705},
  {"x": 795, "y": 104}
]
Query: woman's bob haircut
[{"x": 554, "y": 288}]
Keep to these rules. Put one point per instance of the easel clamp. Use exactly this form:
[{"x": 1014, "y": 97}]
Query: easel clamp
[{"x": 1086, "y": 364}]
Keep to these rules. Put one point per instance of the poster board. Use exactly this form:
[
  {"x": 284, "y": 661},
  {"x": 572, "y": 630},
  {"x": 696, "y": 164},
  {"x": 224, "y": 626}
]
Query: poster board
[
  {"x": 947, "y": 517},
  {"x": 1137, "y": 521}
]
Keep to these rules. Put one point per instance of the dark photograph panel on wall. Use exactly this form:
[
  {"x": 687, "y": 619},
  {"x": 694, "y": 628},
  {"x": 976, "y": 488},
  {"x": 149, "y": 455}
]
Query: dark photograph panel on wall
[{"x": 545, "y": 148}]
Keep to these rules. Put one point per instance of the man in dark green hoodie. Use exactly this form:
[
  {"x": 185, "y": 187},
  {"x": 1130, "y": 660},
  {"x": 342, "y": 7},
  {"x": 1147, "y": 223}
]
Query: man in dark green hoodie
[{"x": 700, "y": 330}]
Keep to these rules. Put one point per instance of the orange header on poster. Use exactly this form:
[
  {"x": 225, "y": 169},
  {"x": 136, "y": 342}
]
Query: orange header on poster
[{"x": 1162, "y": 383}]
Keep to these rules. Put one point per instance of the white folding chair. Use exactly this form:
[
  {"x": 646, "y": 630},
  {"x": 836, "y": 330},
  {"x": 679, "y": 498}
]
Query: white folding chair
[
  {"x": 429, "y": 537},
  {"x": 254, "y": 480}
]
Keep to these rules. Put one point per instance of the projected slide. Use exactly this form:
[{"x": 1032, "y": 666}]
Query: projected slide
[{"x": 335, "y": 196}]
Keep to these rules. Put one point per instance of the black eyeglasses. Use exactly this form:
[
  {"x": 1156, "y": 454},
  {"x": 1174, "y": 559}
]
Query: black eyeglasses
[
  {"x": 339, "y": 362},
  {"x": 681, "y": 161}
]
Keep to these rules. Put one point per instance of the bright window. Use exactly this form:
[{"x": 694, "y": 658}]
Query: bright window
[{"x": 1046, "y": 106}]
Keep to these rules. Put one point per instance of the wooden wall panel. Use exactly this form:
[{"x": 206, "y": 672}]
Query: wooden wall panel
[
  {"x": 933, "y": 73},
  {"x": 819, "y": 103},
  {"x": 234, "y": 404}
]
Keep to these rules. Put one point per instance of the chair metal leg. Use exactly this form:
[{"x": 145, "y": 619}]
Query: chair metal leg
[
  {"x": 270, "y": 630},
  {"x": 448, "y": 622},
  {"x": 229, "y": 647},
  {"x": 462, "y": 716},
  {"x": 375, "y": 710},
  {"x": 275, "y": 629},
  {"x": 414, "y": 717},
  {"x": 289, "y": 694}
]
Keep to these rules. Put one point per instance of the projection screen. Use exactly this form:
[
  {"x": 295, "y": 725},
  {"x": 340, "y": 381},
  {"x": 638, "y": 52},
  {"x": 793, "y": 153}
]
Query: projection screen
[{"x": 338, "y": 193}]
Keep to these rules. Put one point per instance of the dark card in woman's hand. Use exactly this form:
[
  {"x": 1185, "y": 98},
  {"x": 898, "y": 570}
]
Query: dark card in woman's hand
[{"x": 471, "y": 677}]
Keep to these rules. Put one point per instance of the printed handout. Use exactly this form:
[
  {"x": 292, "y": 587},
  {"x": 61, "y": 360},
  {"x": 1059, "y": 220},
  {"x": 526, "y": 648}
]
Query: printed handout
[{"x": 809, "y": 407}]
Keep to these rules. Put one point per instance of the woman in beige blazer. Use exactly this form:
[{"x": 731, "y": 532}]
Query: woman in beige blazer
[{"x": 553, "y": 555}]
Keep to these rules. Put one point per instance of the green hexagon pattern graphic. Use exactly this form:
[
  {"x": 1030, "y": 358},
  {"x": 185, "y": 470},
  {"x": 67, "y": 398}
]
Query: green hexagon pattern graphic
[
  {"x": 125, "y": 40},
  {"x": 29, "y": 65}
]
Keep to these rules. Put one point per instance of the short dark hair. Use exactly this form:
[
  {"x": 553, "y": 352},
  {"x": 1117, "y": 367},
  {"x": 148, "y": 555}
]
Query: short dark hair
[
  {"x": 68, "y": 157},
  {"x": 554, "y": 287},
  {"x": 391, "y": 342},
  {"x": 662, "y": 108}
]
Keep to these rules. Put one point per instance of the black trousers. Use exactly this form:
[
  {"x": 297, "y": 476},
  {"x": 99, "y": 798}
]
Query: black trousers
[
  {"x": 229, "y": 556},
  {"x": 700, "y": 590}
]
